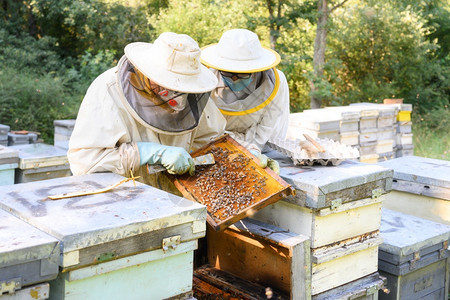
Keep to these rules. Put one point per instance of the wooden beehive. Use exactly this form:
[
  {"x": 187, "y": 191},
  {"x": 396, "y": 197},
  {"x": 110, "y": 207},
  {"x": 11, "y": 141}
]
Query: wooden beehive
[
  {"x": 130, "y": 236},
  {"x": 234, "y": 187}
]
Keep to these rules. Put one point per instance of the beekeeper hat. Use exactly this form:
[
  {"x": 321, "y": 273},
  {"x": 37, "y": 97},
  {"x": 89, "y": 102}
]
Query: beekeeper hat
[
  {"x": 239, "y": 51},
  {"x": 173, "y": 62}
]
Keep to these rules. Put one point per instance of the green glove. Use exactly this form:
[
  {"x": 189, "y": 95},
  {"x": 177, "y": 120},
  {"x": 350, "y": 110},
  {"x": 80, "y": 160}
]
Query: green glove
[
  {"x": 265, "y": 161},
  {"x": 175, "y": 159}
]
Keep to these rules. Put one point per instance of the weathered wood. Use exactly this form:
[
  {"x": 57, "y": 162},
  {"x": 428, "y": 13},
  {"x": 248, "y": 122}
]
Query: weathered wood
[
  {"x": 35, "y": 292},
  {"x": 264, "y": 254},
  {"x": 365, "y": 288},
  {"x": 212, "y": 283}
]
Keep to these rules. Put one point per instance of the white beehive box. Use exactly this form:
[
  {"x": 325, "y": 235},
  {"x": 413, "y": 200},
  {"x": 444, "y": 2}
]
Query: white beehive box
[
  {"x": 40, "y": 162},
  {"x": 28, "y": 256},
  {"x": 350, "y": 138},
  {"x": 404, "y": 150},
  {"x": 368, "y": 135},
  {"x": 421, "y": 187},
  {"x": 365, "y": 288},
  {"x": 386, "y": 133},
  {"x": 317, "y": 119},
  {"x": 404, "y": 127},
  {"x": 63, "y": 132},
  {"x": 265, "y": 254},
  {"x": 414, "y": 257},
  {"x": 368, "y": 148},
  {"x": 349, "y": 118},
  {"x": 404, "y": 139},
  {"x": 9, "y": 161},
  {"x": 135, "y": 236},
  {"x": 385, "y": 146}
]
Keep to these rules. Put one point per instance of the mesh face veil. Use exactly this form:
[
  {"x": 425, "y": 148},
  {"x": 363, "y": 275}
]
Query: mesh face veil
[{"x": 164, "y": 109}]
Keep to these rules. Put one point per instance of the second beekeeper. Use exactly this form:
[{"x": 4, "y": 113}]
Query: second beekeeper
[{"x": 252, "y": 94}]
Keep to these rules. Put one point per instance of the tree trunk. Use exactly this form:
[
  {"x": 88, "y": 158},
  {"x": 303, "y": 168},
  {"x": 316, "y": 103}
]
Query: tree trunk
[{"x": 319, "y": 49}]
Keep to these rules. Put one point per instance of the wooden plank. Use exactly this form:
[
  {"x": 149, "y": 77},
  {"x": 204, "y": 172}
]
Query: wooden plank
[
  {"x": 210, "y": 283},
  {"x": 35, "y": 292}
]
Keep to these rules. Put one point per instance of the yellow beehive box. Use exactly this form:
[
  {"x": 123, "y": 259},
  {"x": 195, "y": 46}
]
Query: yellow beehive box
[{"x": 404, "y": 115}]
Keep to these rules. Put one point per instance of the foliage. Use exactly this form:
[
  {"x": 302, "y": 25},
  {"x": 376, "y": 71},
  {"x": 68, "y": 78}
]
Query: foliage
[
  {"x": 430, "y": 134},
  {"x": 380, "y": 52},
  {"x": 32, "y": 101},
  {"x": 203, "y": 20}
]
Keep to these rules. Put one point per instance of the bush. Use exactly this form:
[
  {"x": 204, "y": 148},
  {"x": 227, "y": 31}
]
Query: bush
[{"x": 32, "y": 101}]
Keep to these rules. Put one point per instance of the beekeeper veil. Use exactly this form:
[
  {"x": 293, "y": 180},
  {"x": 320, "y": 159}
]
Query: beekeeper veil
[
  {"x": 248, "y": 80},
  {"x": 165, "y": 83}
]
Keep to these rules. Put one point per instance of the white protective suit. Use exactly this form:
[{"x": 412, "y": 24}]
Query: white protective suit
[
  {"x": 260, "y": 116},
  {"x": 107, "y": 129}
]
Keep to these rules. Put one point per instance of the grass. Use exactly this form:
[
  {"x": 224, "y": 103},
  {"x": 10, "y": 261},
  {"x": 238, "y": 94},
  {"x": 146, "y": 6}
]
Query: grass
[{"x": 431, "y": 136}]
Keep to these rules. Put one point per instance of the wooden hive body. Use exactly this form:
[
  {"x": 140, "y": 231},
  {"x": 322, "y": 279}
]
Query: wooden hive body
[{"x": 130, "y": 236}]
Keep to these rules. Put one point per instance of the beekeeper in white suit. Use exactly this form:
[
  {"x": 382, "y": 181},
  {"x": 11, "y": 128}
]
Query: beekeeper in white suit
[
  {"x": 152, "y": 108},
  {"x": 252, "y": 94}
]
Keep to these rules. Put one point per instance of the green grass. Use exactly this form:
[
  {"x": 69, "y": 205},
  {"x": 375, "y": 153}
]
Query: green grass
[{"x": 431, "y": 135}]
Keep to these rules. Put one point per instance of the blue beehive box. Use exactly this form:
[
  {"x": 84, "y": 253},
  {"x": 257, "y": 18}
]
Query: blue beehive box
[
  {"x": 413, "y": 257},
  {"x": 9, "y": 159},
  {"x": 29, "y": 259}
]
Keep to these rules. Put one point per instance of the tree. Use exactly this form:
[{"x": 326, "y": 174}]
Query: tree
[{"x": 320, "y": 45}]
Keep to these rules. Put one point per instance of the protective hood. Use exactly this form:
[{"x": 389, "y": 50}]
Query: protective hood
[
  {"x": 257, "y": 95},
  {"x": 152, "y": 108}
]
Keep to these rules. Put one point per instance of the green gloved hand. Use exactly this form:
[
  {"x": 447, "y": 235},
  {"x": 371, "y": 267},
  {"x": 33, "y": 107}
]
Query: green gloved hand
[
  {"x": 265, "y": 161},
  {"x": 175, "y": 159}
]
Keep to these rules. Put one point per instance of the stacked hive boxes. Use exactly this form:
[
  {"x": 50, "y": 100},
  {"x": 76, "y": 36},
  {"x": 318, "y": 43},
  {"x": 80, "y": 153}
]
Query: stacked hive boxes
[
  {"x": 63, "y": 131},
  {"x": 339, "y": 208},
  {"x": 135, "y": 242},
  {"x": 349, "y": 125},
  {"x": 404, "y": 136},
  {"x": 316, "y": 124},
  {"x": 386, "y": 129},
  {"x": 39, "y": 162},
  {"x": 22, "y": 138},
  {"x": 4, "y": 129}
]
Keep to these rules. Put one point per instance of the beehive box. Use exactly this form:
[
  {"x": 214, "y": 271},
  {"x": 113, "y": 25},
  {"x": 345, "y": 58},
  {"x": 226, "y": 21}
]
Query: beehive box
[
  {"x": 18, "y": 139},
  {"x": 28, "y": 256},
  {"x": 406, "y": 150},
  {"x": 414, "y": 257},
  {"x": 368, "y": 148},
  {"x": 316, "y": 119},
  {"x": 386, "y": 133},
  {"x": 404, "y": 127},
  {"x": 135, "y": 236},
  {"x": 421, "y": 187},
  {"x": 384, "y": 146},
  {"x": 404, "y": 139},
  {"x": 265, "y": 254},
  {"x": 9, "y": 161},
  {"x": 40, "y": 162},
  {"x": 365, "y": 288},
  {"x": 4, "y": 129},
  {"x": 349, "y": 118},
  {"x": 326, "y": 197},
  {"x": 368, "y": 135},
  {"x": 234, "y": 187},
  {"x": 369, "y": 158},
  {"x": 350, "y": 138},
  {"x": 63, "y": 132}
]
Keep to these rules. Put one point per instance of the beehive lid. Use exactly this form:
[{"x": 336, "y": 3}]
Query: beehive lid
[
  {"x": 40, "y": 155},
  {"x": 64, "y": 123},
  {"x": 318, "y": 121},
  {"x": 420, "y": 175},
  {"x": 234, "y": 187},
  {"x": 8, "y": 155},
  {"x": 21, "y": 244},
  {"x": 81, "y": 222},
  {"x": 346, "y": 112},
  {"x": 317, "y": 186},
  {"x": 404, "y": 235}
]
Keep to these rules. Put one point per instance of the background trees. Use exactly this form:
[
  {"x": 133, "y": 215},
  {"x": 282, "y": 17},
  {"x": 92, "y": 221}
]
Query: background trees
[{"x": 52, "y": 49}]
